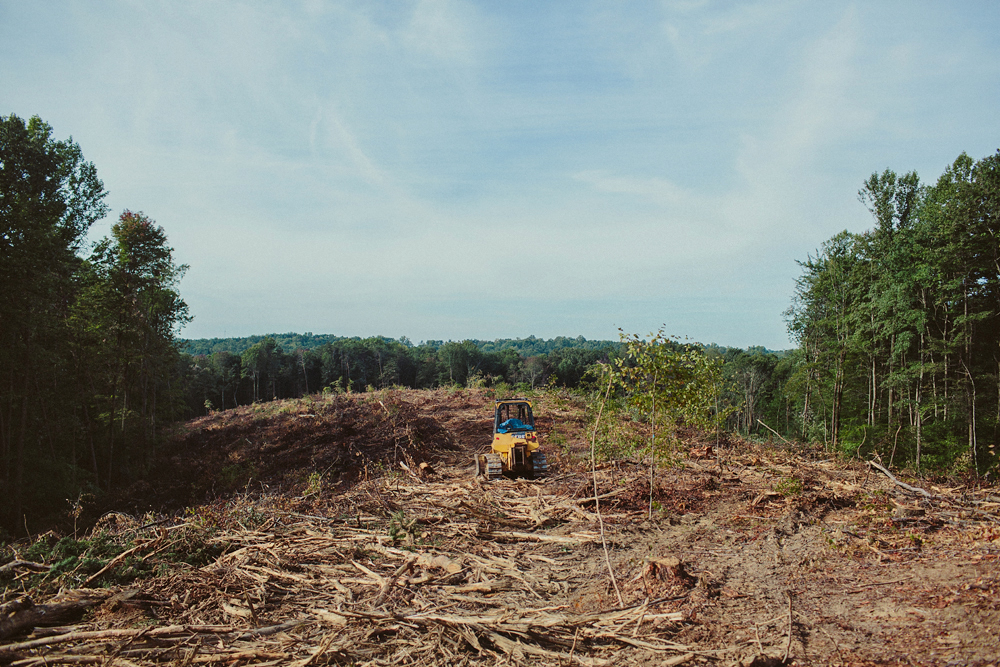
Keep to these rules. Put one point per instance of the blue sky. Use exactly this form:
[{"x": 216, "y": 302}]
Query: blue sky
[{"x": 450, "y": 170}]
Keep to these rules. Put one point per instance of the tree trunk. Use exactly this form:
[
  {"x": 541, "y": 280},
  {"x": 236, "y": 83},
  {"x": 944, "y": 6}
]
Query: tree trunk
[
  {"x": 871, "y": 395},
  {"x": 838, "y": 394},
  {"x": 22, "y": 436},
  {"x": 652, "y": 444},
  {"x": 971, "y": 397},
  {"x": 892, "y": 347},
  {"x": 19, "y": 460},
  {"x": 947, "y": 358},
  {"x": 90, "y": 441},
  {"x": 971, "y": 412},
  {"x": 918, "y": 395},
  {"x": 305, "y": 376},
  {"x": 5, "y": 434},
  {"x": 151, "y": 448},
  {"x": 805, "y": 410},
  {"x": 111, "y": 431}
]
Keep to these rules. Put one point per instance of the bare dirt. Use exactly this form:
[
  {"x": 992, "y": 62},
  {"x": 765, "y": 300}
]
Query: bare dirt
[{"x": 338, "y": 546}]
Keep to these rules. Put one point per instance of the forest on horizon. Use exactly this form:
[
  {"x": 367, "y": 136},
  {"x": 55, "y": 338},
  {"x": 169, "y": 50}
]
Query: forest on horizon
[
  {"x": 898, "y": 332},
  {"x": 290, "y": 341}
]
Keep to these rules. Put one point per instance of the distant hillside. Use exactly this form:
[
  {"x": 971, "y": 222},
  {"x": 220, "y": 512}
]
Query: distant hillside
[
  {"x": 287, "y": 341},
  {"x": 526, "y": 347},
  {"x": 531, "y": 346}
]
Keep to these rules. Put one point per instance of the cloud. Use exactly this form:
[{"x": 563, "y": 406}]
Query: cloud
[
  {"x": 437, "y": 28},
  {"x": 702, "y": 34},
  {"x": 421, "y": 164},
  {"x": 657, "y": 190}
]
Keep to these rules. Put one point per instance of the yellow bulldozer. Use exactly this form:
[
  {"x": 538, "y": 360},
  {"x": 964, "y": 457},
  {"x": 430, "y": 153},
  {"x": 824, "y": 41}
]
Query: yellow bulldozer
[{"x": 514, "y": 450}]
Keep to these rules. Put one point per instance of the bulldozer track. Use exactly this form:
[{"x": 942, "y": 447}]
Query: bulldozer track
[
  {"x": 491, "y": 466},
  {"x": 540, "y": 464}
]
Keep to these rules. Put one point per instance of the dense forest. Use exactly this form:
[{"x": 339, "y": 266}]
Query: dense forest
[
  {"x": 87, "y": 338},
  {"x": 898, "y": 332},
  {"x": 899, "y": 326},
  {"x": 243, "y": 370}
]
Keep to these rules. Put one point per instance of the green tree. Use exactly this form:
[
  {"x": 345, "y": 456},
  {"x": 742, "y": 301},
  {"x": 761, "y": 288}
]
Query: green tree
[
  {"x": 751, "y": 372},
  {"x": 133, "y": 295},
  {"x": 821, "y": 320},
  {"x": 668, "y": 384},
  {"x": 460, "y": 360},
  {"x": 898, "y": 326},
  {"x": 260, "y": 363},
  {"x": 963, "y": 222},
  {"x": 49, "y": 198}
]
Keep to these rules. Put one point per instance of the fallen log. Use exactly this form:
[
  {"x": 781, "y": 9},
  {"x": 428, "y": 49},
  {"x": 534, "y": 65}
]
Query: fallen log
[
  {"x": 23, "y": 565},
  {"x": 23, "y": 615},
  {"x": 904, "y": 485},
  {"x": 10, "y": 651},
  {"x": 516, "y": 536}
]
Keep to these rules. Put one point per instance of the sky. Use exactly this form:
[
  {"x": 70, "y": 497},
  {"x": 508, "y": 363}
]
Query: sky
[{"x": 444, "y": 170}]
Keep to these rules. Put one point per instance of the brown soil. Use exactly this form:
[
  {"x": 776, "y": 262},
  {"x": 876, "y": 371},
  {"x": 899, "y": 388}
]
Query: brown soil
[{"x": 752, "y": 554}]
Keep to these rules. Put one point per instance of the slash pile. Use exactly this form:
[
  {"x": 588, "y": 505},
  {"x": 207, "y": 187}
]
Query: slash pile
[{"x": 395, "y": 579}]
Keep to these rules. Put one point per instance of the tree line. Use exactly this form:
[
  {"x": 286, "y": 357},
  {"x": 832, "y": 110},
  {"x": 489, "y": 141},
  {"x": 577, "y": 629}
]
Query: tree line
[
  {"x": 526, "y": 347},
  {"x": 899, "y": 326},
  {"x": 265, "y": 370},
  {"x": 88, "y": 365},
  {"x": 898, "y": 329}
]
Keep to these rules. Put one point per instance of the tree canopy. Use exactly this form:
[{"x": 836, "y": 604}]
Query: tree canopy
[
  {"x": 86, "y": 342},
  {"x": 899, "y": 326}
]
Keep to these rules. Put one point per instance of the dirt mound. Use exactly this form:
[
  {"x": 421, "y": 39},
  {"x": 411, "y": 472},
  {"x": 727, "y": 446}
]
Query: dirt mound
[{"x": 286, "y": 446}]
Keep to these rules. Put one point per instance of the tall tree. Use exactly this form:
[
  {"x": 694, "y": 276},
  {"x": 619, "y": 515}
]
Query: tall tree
[
  {"x": 49, "y": 198},
  {"x": 135, "y": 298},
  {"x": 898, "y": 326}
]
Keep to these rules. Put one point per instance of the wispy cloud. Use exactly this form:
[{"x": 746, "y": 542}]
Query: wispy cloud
[
  {"x": 413, "y": 167},
  {"x": 657, "y": 190}
]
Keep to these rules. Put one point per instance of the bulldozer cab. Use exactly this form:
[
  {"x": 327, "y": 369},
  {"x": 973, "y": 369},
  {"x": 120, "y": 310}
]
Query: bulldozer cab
[{"x": 512, "y": 416}]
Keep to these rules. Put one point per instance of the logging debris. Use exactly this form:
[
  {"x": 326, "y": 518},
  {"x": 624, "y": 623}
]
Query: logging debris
[{"x": 754, "y": 555}]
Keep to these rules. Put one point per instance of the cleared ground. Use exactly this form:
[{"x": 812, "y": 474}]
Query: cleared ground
[{"x": 335, "y": 545}]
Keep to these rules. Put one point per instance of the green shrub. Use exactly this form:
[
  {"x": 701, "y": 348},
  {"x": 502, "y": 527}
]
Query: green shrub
[{"x": 789, "y": 486}]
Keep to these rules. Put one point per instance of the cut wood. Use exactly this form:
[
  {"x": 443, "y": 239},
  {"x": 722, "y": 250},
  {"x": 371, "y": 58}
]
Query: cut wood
[
  {"x": 535, "y": 537},
  {"x": 903, "y": 485},
  {"x": 389, "y": 583},
  {"x": 25, "y": 615}
]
